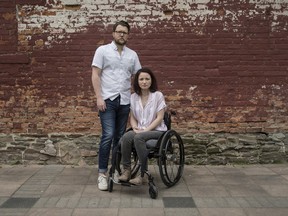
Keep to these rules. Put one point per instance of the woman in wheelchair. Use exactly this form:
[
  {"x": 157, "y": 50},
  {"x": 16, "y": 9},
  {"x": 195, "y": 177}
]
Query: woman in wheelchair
[{"x": 146, "y": 119}]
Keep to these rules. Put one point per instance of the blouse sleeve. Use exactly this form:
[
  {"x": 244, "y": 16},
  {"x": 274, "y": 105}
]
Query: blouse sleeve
[{"x": 161, "y": 101}]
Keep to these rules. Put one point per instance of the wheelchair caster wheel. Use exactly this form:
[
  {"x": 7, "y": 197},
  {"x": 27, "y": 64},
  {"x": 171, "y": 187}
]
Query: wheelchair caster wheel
[
  {"x": 153, "y": 192},
  {"x": 110, "y": 184}
]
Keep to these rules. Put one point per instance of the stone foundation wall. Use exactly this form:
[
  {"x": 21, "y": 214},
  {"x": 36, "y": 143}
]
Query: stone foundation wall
[
  {"x": 227, "y": 148},
  {"x": 80, "y": 149}
]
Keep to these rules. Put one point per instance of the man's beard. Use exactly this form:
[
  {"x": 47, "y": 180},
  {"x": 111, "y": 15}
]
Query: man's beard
[{"x": 120, "y": 43}]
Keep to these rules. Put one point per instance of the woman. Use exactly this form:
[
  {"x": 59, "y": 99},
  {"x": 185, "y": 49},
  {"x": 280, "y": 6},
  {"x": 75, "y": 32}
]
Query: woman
[{"x": 146, "y": 119}]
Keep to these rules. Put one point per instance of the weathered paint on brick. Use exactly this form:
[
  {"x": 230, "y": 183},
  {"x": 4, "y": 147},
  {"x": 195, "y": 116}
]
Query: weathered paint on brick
[{"x": 222, "y": 65}]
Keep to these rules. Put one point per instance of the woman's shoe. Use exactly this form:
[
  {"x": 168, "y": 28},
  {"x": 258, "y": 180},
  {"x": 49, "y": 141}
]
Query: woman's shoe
[
  {"x": 125, "y": 176},
  {"x": 137, "y": 180}
]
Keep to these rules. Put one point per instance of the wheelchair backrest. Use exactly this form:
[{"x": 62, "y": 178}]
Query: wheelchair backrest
[{"x": 167, "y": 120}]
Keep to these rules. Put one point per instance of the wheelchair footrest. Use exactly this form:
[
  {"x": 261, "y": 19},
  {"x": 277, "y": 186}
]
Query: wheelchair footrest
[{"x": 126, "y": 184}]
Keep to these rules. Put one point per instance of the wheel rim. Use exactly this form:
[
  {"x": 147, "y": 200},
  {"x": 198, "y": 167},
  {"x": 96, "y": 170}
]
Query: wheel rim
[{"x": 172, "y": 158}]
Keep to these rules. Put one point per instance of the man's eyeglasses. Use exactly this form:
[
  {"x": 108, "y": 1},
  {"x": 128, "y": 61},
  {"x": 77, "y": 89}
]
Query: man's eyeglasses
[{"x": 121, "y": 32}]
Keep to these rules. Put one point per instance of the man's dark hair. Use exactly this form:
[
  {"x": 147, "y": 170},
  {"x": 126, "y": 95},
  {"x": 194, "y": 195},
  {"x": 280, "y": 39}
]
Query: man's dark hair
[
  {"x": 153, "y": 87},
  {"x": 122, "y": 23}
]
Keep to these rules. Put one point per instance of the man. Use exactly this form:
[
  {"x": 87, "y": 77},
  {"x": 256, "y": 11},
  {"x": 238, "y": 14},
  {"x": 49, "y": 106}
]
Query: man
[{"x": 112, "y": 67}]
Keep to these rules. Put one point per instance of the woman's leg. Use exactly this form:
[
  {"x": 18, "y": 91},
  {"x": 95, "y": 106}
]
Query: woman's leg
[
  {"x": 126, "y": 148},
  {"x": 140, "y": 140}
]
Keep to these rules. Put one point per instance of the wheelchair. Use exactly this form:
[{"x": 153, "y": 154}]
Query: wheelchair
[{"x": 168, "y": 151}]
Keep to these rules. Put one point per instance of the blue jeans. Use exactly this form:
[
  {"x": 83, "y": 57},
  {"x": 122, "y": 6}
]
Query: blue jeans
[{"x": 114, "y": 121}]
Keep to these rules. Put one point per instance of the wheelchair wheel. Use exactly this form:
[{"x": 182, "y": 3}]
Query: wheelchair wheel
[
  {"x": 153, "y": 191},
  {"x": 171, "y": 161},
  {"x": 110, "y": 184}
]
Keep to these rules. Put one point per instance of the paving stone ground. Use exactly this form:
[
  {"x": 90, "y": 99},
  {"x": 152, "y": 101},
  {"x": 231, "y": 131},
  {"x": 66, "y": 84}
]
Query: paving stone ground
[{"x": 52, "y": 190}]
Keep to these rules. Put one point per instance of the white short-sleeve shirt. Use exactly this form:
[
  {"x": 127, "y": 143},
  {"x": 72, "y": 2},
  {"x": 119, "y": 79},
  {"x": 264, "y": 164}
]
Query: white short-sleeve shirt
[
  {"x": 145, "y": 116},
  {"x": 116, "y": 71}
]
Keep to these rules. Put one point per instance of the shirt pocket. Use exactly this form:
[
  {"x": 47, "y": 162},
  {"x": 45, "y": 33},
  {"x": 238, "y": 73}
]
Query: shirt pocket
[
  {"x": 127, "y": 64},
  {"x": 112, "y": 62}
]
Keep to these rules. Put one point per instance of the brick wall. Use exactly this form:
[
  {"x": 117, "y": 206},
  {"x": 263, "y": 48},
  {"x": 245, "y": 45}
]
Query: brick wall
[{"x": 222, "y": 65}]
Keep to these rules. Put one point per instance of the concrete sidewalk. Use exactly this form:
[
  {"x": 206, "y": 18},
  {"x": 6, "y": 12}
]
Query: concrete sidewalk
[{"x": 203, "y": 191}]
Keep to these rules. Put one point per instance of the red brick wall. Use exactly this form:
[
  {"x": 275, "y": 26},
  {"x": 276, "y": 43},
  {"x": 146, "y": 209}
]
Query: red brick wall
[{"x": 222, "y": 65}]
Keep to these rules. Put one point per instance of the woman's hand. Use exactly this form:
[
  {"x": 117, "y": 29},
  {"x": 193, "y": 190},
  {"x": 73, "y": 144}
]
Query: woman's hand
[{"x": 137, "y": 130}]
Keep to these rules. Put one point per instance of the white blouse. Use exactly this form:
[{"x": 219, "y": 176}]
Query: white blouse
[{"x": 145, "y": 116}]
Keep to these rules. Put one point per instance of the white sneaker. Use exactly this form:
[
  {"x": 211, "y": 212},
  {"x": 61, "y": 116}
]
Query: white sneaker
[{"x": 102, "y": 183}]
